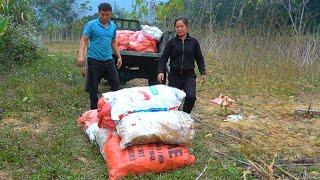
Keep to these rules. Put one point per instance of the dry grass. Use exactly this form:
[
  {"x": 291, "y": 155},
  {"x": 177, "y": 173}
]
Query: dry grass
[
  {"x": 63, "y": 47},
  {"x": 269, "y": 77},
  {"x": 268, "y": 126}
]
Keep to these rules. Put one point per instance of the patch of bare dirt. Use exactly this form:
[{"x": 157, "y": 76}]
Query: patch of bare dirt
[
  {"x": 268, "y": 127},
  {"x": 21, "y": 125},
  {"x": 5, "y": 175}
]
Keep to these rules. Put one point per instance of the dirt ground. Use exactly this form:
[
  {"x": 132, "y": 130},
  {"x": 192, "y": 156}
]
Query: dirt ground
[{"x": 268, "y": 131}]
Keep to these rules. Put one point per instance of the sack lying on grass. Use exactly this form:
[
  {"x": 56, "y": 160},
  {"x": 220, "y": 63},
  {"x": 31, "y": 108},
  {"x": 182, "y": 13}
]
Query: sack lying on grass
[
  {"x": 88, "y": 118},
  {"x": 144, "y": 158},
  {"x": 88, "y": 121},
  {"x": 104, "y": 115},
  {"x": 100, "y": 135},
  {"x": 143, "y": 99},
  {"x": 174, "y": 127},
  {"x": 136, "y": 159}
]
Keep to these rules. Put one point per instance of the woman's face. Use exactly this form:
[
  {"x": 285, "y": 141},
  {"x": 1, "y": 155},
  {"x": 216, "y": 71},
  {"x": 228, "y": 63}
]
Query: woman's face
[{"x": 181, "y": 28}]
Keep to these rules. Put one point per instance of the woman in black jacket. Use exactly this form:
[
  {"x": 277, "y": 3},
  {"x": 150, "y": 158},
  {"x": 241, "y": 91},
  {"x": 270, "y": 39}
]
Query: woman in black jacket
[{"x": 183, "y": 51}]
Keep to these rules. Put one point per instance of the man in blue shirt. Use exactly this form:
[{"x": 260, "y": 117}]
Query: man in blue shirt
[{"x": 101, "y": 36}]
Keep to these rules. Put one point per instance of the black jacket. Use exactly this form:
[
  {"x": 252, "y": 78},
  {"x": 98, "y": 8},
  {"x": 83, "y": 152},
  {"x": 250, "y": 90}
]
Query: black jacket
[{"x": 182, "y": 56}]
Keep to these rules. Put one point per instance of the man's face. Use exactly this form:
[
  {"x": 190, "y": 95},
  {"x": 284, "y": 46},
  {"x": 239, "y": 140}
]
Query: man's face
[{"x": 105, "y": 16}]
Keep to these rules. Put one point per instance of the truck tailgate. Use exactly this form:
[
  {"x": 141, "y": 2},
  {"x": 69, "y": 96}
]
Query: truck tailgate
[{"x": 140, "y": 54}]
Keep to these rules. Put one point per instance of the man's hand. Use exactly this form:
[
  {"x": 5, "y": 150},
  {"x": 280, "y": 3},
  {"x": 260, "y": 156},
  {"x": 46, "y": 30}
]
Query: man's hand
[
  {"x": 203, "y": 78},
  {"x": 117, "y": 52},
  {"x": 80, "y": 64},
  {"x": 119, "y": 62},
  {"x": 84, "y": 71},
  {"x": 80, "y": 61},
  {"x": 161, "y": 77}
]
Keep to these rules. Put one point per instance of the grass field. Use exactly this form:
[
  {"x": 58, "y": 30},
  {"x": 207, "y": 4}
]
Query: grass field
[{"x": 41, "y": 101}]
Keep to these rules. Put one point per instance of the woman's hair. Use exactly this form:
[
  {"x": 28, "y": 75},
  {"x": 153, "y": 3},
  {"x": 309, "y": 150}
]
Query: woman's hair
[{"x": 184, "y": 20}]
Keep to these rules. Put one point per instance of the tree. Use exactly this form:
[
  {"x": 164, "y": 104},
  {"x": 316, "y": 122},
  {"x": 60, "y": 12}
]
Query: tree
[
  {"x": 296, "y": 12},
  {"x": 167, "y": 12},
  {"x": 119, "y": 12},
  {"x": 248, "y": 13},
  {"x": 140, "y": 10},
  {"x": 4, "y": 18},
  {"x": 60, "y": 13}
]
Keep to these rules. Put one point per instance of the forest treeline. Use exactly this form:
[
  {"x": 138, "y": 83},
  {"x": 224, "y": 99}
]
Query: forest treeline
[{"x": 25, "y": 24}]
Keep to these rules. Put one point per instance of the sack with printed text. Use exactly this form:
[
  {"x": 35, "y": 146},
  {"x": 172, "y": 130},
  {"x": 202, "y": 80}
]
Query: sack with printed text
[{"x": 143, "y": 159}]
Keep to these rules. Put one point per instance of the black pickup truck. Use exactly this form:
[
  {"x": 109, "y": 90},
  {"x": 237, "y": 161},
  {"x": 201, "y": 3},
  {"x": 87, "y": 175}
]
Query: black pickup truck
[{"x": 139, "y": 64}]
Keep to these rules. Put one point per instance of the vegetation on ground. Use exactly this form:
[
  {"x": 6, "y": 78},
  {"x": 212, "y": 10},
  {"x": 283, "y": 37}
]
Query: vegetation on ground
[
  {"x": 263, "y": 54},
  {"x": 39, "y": 119}
]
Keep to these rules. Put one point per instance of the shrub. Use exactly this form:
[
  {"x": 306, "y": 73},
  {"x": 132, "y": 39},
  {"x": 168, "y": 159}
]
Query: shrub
[{"x": 19, "y": 42}]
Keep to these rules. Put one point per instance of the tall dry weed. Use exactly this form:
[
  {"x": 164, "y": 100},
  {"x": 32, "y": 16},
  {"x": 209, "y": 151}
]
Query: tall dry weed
[{"x": 257, "y": 60}]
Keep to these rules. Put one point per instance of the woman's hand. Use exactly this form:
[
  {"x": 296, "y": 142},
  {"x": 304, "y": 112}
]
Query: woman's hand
[{"x": 161, "y": 77}]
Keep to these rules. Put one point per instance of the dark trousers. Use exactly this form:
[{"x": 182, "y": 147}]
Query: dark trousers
[
  {"x": 96, "y": 71},
  {"x": 188, "y": 85}
]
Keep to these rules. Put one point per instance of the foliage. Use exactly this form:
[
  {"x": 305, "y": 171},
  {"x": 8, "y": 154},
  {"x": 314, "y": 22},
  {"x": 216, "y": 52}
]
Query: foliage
[
  {"x": 61, "y": 20},
  {"x": 139, "y": 9},
  {"x": 19, "y": 44},
  {"x": 4, "y": 22},
  {"x": 65, "y": 19},
  {"x": 144, "y": 10},
  {"x": 4, "y": 17},
  {"x": 119, "y": 12},
  {"x": 300, "y": 15},
  {"x": 61, "y": 12},
  {"x": 19, "y": 41},
  {"x": 60, "y": 16},
  {"x": 171, "y": 9}
]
